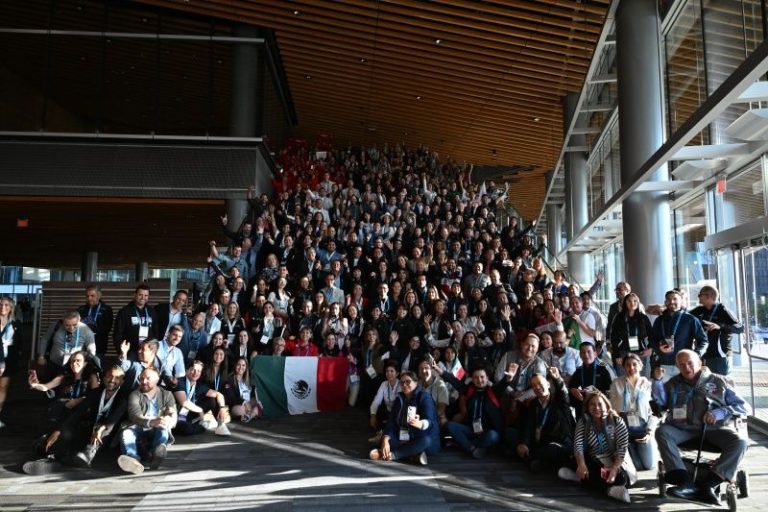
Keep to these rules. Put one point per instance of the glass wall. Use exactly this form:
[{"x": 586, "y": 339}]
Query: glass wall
[
  {"x": 695, "y": 266},
  {"x": 744, "y": 198},
  {"x": 609, "y": 261},
  {"x": 732, "y": 30},
  {"x": 686, "y": 86}
]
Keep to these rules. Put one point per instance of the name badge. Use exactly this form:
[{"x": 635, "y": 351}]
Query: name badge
[
  {"x": 669, "y": 341},
  {"x": 371, "y": 371},
  {"x": 230, "y": 339},
  {"x": 143, "y": 333},
  {"x": 477, "y": 426},
  {"x": 679, "y": 414},
  {"x": 404, "y": 435},
  {"x": 633, "y": 419},
  {"x": 134, "y": 320},
  {"x": 192, "y": 354},
  {"x": 264, "y": 339},
  {"x": 183, "y": 414},
  {"x": 634, "y": 343},
  {"x": 354, "y": 378}
]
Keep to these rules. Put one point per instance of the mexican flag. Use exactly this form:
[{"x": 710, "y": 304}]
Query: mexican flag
[{"x": 295, "y": 385}]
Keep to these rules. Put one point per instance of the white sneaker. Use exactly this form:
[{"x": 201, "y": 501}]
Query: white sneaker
[
  {"x": 130, "y": 465},
  {"x": 209, "y": 425},
  {"x": 568, "y": 474},
  {"x": 222, "y": 430},
  {"x": 423, "y": 458},
  {"x": 619, "y": 492}
]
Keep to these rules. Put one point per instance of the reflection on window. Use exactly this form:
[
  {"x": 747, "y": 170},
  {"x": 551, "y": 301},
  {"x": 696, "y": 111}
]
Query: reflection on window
[{"x": 744, "y": 199}]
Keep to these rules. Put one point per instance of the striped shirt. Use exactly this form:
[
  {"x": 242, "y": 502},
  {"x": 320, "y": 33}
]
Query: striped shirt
[{"x": 602, "y": 444}]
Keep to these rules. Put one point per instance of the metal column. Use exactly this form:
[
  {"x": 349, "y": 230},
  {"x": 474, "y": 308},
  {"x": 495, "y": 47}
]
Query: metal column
[
  {"x": 142, "y": 271},
  {"x": 89, "y": 267},
  {"x": 577, "y": 183},
  {"x": 246, "y": 109},
  {"x": 648, "y": 252}
]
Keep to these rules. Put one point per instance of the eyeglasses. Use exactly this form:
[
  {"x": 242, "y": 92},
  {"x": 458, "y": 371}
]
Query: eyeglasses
[{"x": 407, "y": 382}]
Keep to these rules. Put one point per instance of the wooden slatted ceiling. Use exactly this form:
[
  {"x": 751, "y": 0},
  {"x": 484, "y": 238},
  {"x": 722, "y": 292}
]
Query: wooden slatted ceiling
[{"x": 499, "y": 65}]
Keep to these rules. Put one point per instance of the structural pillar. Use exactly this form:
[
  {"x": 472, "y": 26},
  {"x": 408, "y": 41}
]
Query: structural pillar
[
  {"x": 554, "y": 232},
  {"x": 247, "y": 107},
  {"x": 142, "y": 271},
  {"x": 89, "y": 267},
  {"x": 646, "y": 215},
  {"x": 577, "y": 182}
]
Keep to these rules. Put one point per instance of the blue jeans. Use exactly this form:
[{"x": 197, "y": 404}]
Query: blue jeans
[
  {"x": 405, "y": 449},
  {"x": 467, "y": 439},
  {"x": 131, "y": 435},
  {"x": 642, "y": 454}
]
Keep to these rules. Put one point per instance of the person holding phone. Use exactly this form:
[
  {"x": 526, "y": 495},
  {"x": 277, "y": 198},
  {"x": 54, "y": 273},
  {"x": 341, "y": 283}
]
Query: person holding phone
[
  {"x": 413, "y": 430},
  {"x": 675, "y": 330}
]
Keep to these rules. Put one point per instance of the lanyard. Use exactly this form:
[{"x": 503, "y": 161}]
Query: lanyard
[
  {"x": 96, "y": 316},
  {"x": 594, "y": 374},
  {"x": 688, "y": 396},
  {"x": 231, "y": 325},
  {"x": 191, "y": 390},
  {"x": 390, "y": 391},
  {"x": 601, "y": 442},
  {"x": 77, "y": 340},
  {"x": 6, "y": 329},
  {"x": 216, "y": 381},
  {"x": 626, "y": 406},
  {"x": 674, "y": 329},
  {"x": 104, "y": 407},
  {"x": 477, "y": 410},
  {"x": 714, "y": 310},
  {"x": 544, "y": 416},
  {"x": 368, "y": 357},
  {"x": 146, "y": 317},
  {"x": 635, "y": 329},
  {"x": 76, "y": 388}
]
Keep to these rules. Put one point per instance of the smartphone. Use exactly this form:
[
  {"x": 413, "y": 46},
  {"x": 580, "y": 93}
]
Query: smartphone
[{"x": 411, "y": 412}]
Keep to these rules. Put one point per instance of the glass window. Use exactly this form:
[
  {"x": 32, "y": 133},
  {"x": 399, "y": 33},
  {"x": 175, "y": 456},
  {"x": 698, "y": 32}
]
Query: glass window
[
  {"x": 695, "y": 265},
  {"x": 744, "y": 198},
  {"x": 686, "y": 77}
]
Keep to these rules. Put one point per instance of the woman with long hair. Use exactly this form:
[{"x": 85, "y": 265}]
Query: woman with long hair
[
  {"x": 10, "y": 347},
  {"x": 600, "y": 447}
]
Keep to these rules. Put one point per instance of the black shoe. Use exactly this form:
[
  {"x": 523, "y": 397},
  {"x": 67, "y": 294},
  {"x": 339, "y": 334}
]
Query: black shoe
[
  {"x": 686, "y": 492},
  {"x": 710, "y": 495},
  {"x": 158, "y": 456}
]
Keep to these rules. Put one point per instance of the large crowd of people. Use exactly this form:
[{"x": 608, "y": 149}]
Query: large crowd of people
[{"x": 455, "y": 330}]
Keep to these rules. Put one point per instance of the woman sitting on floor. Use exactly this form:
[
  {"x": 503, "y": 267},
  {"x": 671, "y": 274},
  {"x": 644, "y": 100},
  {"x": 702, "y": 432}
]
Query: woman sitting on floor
[{"x": 413, "y": 429}]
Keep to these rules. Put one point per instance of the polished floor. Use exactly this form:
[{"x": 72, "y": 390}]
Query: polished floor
[{"x": 314, "y": 463}]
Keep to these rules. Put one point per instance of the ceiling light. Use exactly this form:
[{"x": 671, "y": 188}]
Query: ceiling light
[
  {"x": 308, "y": 77},
  {"x": 536, "y": 119},
  {"x": 418, "y": 97},
  {"x": 296, "y": 13},
  {"x": 438, "y": 41},
  {"x": 144, "y": 20},
  {"x": 362, "y": 60}
]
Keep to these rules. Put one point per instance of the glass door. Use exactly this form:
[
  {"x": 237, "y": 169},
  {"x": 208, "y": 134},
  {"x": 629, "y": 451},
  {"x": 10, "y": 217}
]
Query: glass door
[{"x": 743, "y": 281}]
